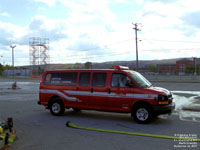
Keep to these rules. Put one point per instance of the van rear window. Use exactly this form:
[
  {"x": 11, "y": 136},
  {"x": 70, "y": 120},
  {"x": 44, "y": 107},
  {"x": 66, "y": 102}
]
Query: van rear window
[{"x": 65, "y": 78}]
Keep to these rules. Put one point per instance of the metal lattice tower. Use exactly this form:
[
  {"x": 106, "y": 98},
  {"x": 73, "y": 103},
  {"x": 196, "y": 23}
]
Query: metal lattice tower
[{"x": 39, "y": 51}]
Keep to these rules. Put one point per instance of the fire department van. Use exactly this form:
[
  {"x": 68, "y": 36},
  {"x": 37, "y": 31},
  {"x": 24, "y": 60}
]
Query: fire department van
[{"x": 112, "y": 90}]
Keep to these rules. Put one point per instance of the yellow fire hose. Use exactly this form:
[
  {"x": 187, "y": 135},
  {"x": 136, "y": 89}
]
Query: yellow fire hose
[
  {"x": 10, "y": 139},
  {"x": 70, "y": 124},
  {"x": 3, "y": 135}
]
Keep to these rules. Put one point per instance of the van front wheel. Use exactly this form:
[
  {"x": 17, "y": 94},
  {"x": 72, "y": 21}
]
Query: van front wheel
[
  {"x": 57, "y": 108},
  {"x": 142, "y": 114}
]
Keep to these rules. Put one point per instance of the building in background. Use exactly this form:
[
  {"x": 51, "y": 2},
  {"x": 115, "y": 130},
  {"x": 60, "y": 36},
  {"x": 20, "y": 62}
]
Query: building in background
[
  {"x": 181, "y": 67},
  {"x": 167, "y": 69}
]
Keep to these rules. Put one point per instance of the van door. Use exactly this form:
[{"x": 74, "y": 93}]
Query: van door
[
  {"x": 119, "y": 99},
  {"x": 99, "y": 94},
  {"x": 82, "y": 91}
]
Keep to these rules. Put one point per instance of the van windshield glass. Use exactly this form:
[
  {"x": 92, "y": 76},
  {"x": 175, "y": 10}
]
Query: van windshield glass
[{"x": 141, "y": 81}]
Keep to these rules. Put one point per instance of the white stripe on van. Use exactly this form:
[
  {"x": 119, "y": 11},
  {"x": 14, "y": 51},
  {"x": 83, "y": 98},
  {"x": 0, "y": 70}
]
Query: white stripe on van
[
  {"x": 60, "y": 94},
  {"x": 104, "y": 94}
]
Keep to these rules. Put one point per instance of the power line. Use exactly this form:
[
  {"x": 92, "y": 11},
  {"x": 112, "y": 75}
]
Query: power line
[
  {"x": 95, "y": 48},
  {"x": 174, "y": 49},
  {"x": 114, "y": 52},
  {"x": 174, "y": 41}
]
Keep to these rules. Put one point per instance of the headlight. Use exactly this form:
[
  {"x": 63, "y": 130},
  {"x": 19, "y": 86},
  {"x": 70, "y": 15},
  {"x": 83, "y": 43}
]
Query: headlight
[{"x": 162, "y": 100}]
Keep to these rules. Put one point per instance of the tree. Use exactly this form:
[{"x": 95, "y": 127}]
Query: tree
[
  {"x": 77, "y": 66},
  {"x": 189, "y": 69},
  {"x": 1, "y": 69},
  {"x": 88, "y": 65},
  {"x": 153, "y": 68},
  {"x": 198, "y": 69},
  {"x": 4, "y": 67}
]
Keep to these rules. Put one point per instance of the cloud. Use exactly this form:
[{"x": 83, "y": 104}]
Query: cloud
[
  {"x": 42, "y": 8},
  {"x": 168, "y": 21},
  {"x": 92, "y": 30},
  {"x": 87, "y": 26},
  {"x": 10, "y": 33},
  {"x": 192, "y": 19},
  {"x": 5, "y": 14},
  {"x": 164, "y": 1},
  {"x": 88, "y": 11},
  {"x": 41, "y": 26},
  {"x": 47, "y": 2}
]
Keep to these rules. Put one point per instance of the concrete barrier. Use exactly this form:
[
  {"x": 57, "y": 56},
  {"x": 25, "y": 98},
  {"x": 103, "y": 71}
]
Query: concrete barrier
[{"x": 173, "y": 78}]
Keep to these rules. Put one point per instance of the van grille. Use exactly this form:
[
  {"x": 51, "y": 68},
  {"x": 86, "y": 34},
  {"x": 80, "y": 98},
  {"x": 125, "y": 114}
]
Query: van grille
[{"x": 170, "y": 98}]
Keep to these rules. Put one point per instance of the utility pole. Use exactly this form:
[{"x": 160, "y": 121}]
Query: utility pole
[
  {"x": 2, "y": 59},
  {"x": 136, "y": 42},
  {"x": 12, "y": 47},
  {"x": 195, "y": 66}
]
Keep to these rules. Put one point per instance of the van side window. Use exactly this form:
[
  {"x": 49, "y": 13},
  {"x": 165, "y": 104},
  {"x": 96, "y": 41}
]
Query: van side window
[
  {"x": 84, "y": 79},
  {"x": 66, "y": 78},
  {"x": 120, "y": 80},
  {"x": 99, "y": 79}
]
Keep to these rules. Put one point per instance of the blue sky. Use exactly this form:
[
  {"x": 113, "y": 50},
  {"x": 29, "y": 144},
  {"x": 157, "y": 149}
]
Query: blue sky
[{"x": 100, "y": 30}]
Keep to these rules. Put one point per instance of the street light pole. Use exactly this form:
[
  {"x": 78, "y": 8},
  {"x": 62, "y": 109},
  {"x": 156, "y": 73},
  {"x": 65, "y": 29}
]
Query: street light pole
[{"x": 13, "y": 54}]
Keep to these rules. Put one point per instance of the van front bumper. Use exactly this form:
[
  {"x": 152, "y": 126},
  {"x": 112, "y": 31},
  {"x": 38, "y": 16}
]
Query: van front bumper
[{"x": 164, "y": 109}]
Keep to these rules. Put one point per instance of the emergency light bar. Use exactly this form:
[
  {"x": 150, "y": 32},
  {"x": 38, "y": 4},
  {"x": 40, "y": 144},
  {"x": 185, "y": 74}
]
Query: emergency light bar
[{"x": 121, "y": 68}]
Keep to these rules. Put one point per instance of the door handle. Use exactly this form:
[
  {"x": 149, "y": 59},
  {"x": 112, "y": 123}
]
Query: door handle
[{"x": 92, "y": 90}]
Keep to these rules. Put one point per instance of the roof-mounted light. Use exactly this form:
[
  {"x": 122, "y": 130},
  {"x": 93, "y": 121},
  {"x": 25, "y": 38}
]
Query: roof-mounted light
[{"x": 121, "y": 68}]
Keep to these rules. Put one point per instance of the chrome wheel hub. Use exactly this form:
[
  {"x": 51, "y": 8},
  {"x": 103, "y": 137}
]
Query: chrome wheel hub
[
  {"x": 56, "y": 108},
  {"x": 142, "y": 114}
]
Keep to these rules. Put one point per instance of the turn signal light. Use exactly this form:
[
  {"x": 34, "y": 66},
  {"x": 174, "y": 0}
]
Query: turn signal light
[{"x": 163, "y": 103}]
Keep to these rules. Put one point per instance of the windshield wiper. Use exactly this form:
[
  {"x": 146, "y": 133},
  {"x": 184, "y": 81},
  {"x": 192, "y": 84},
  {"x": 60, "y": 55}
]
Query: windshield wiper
[
  {"x": 144, "y": 86},
  {"x": 151, "y": 85}
]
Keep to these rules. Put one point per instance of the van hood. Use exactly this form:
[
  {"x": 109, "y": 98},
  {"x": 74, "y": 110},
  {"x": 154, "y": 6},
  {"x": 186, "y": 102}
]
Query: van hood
[{"x": 161, "y": 90}]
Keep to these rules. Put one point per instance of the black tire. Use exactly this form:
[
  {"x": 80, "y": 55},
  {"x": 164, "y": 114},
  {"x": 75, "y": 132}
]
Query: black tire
[
  {"x": 57, "y": 107},
  {"x": 142, "y": 113},
  {"x": 76, "y": 109}
]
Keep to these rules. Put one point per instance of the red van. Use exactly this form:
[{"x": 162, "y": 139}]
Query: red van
[{"x": 112, "y": 90}]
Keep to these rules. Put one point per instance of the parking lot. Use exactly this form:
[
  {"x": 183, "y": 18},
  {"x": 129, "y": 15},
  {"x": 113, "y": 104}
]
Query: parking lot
[{"x": 38, "y": 129}]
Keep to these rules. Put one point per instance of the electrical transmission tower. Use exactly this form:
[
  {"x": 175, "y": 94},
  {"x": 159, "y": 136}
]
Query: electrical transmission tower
[{"x": 38, "y": 52}]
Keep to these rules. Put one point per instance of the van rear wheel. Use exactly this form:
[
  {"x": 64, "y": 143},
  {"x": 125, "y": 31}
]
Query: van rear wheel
[
  {"x": 57, "y": 107},
  {"x": 142, "y": 114}
]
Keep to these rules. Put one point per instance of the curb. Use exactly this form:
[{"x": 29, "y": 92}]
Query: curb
[
  {"x": 193, "y": 107},
  {"x": 175, "y": 81}
]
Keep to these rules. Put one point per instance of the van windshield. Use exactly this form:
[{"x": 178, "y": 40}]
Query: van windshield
[{"x": 139, "y": 79}]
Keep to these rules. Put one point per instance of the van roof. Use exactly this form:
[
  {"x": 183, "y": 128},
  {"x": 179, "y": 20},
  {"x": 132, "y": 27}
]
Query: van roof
[
  {"x": 115, "y": 68},
  {"x": 63, "y": 70}
]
